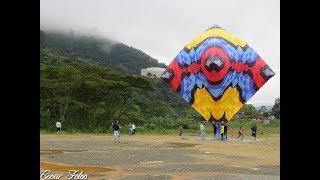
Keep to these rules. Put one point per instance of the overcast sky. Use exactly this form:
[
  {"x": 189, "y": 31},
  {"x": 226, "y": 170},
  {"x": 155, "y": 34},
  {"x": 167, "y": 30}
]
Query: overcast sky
[{"x": 161, "y": 28}]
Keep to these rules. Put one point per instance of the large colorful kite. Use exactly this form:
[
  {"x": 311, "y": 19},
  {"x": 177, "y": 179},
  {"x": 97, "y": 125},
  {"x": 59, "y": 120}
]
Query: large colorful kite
[{"x": 217, "y": 73}]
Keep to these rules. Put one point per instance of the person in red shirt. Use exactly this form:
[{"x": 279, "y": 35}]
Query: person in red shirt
[{"x": 180, "y": 129}]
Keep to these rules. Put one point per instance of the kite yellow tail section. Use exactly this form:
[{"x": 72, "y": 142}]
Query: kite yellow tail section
[{"x": 206, "y": 105}]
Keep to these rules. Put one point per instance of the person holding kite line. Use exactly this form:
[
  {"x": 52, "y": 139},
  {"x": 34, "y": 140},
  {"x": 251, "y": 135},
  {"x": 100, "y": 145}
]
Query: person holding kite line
[
  {"x": 225, "y": 131},
  {"x": 116, "y": 131},
  {"x": 222, "y": 131},
  {"x": 218, "y": 127}
]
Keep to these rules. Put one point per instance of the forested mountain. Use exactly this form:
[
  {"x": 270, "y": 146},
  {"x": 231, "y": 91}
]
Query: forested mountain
[
  {"x": 87, "y": 87},
  {"x": 100, "y": 50}
]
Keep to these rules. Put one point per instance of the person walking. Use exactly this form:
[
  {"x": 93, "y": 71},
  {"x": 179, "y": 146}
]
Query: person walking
[{"x": 240, "y": 133}]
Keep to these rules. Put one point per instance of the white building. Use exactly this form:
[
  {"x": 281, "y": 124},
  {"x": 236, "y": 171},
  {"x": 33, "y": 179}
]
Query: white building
[
  {"x": 271, "y": 117},
  {"x": 154, "y": 72}
]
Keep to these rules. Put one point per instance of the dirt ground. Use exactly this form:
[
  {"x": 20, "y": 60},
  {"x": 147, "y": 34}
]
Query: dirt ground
[{"x": 158, "y": 157}]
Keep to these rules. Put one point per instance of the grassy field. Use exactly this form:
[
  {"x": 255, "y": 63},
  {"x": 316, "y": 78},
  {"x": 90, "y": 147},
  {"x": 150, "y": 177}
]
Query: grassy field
[{"x": 264, "y": 129}]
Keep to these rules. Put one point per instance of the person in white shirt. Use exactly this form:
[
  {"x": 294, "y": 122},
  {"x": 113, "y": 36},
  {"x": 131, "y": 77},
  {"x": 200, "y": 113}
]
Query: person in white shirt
[
  {"x": 58, "y": 125},
  {"x": 203, "y": 133},
  {"x": 133, "y": 129}
]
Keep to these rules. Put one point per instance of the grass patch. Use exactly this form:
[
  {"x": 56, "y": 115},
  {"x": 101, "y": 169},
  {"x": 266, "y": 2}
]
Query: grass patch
[{"x": 263, "y": 129}]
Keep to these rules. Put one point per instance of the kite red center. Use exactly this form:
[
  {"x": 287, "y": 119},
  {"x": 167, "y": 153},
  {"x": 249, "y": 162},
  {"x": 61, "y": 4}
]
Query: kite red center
[{"x": 215, "y": 64}]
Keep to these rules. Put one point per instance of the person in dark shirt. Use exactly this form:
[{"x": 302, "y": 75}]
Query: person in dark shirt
[
  {"x": 116, "y": 131},
  {"x": 214, "y": 129},
  {"x": 254, "y": 132},
  {"x": 225, "y": 133}
]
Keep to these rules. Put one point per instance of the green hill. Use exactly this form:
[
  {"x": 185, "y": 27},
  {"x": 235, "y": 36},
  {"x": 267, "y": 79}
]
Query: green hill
[
  {"x": 88, "y": 83},
  {"x": 100, "y": 50}
]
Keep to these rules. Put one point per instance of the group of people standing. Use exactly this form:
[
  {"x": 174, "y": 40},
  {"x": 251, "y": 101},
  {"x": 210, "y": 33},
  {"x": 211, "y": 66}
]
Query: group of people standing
[
  {"x": 116, "y": 130},
  {"x": 220, "y": 131}
]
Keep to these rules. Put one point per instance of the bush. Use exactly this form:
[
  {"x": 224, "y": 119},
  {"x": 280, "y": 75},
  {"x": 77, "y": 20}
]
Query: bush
[{"x": 167, "y": 123}]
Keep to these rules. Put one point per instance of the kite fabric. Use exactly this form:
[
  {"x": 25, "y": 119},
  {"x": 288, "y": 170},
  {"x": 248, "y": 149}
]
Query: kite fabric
[{"x": 217, "y": 73}]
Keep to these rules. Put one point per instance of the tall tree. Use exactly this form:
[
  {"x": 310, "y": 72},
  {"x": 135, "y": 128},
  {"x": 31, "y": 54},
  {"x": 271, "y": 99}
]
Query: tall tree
[
  {"x": 264, "y": 111},
  {"x": 276, "y": 108},
  {"x": 248, "y": 109}
]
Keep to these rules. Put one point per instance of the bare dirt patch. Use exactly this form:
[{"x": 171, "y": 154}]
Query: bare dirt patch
[
  {"x": 161, "y": 157},
  {"x": 54, "y": 151},
  {"x": 66, "y": 168}
]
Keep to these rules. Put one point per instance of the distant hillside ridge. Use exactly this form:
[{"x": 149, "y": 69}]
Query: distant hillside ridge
[{"x": 101, "y": 50}]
